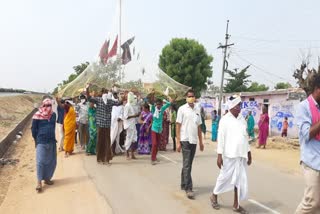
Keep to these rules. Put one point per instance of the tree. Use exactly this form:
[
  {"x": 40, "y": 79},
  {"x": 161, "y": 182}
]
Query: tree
[
  {"x": 80, "y": 68},
  {"x": 304, "y": 75},
  {"x": 187, "y": 62},
  {"x": 255, "y": 86},
  {"x": 282, "y": 85},
  {"x": 238, "y": 81}
]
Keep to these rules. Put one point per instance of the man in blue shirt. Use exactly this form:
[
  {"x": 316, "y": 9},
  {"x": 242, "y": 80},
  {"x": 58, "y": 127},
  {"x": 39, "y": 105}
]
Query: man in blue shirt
[{"x": 308, "y": 121}]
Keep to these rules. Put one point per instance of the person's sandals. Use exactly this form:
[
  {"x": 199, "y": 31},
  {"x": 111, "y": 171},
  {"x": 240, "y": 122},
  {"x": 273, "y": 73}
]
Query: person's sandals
[
  {"x": 214, "y": 203},
  {"x": 49, "y": 182},
  {"x": 240, "y": 210},
  {"x": 39, "y": 188},
  {"x": 190, "y": 194}
]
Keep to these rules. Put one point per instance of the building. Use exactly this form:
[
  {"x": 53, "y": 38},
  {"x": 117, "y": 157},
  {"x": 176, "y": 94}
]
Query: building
[{"x": 280, "y": 103}]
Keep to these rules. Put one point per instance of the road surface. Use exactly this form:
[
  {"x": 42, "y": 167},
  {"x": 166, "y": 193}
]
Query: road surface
[{"x": 136, "y": 186}]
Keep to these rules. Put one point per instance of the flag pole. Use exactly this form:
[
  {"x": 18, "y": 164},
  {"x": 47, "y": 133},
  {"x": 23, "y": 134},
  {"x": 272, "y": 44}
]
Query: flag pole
[{"x": 120, "y": 11}]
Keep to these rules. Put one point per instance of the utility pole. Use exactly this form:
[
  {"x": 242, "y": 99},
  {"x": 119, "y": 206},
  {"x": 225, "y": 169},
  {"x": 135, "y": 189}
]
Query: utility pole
[{"x": 225, "y": 47}]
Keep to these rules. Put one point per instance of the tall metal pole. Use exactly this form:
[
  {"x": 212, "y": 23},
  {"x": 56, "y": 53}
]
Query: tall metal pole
[
  {"x": 225, "y": 47},
  {"x": 120, "y": 13}
]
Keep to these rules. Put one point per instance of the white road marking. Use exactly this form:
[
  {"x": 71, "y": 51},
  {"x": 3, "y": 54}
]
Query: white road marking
[
  {"x": 169, "y": 159},
  {"x": 263, "y": 206}
]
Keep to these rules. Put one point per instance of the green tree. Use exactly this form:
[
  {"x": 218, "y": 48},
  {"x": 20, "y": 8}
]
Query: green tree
[
  {"x": 238, "y": 81},
  {"x": 282, "y": 85},
  {"x": 187, "y": 62},
  {"x": 80, "y": 68},
  {"x": 257, "y": 87}
]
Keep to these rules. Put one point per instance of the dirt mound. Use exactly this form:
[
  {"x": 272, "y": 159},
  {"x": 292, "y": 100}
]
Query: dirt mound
[{"x": 13, "y": 109}]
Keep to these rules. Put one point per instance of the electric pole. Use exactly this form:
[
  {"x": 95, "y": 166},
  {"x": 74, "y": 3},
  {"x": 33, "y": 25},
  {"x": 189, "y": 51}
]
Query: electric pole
[{"x": 225, "y": 47}]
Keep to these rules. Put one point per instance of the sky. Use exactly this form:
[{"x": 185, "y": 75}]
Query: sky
[{"x": 42, "y": 40}]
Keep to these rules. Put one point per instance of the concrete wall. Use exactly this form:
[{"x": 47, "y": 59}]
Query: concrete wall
[
  {"x": 278, "y": 107},
  {"x": 7, "y": 141}
]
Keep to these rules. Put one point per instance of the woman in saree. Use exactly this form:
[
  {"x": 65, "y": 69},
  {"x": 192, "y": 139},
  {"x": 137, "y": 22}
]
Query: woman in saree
[
  {"x": 69, "y": 126},
  {"x": 164, "y": 137},
  {"x": 215, "y": 124},
  {"x": 91, "y": 148},
  {"x": 203, "y": 120},
  {"x": 145, "y": 120},
  {"x": 263, "y": 125}
]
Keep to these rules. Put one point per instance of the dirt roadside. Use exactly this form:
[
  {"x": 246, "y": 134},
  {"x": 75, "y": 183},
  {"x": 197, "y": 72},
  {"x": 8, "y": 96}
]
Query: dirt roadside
[{"x": 73, "y": 191}]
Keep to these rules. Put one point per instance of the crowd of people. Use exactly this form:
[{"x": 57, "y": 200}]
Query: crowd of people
[{"x": 112, "y": 123}]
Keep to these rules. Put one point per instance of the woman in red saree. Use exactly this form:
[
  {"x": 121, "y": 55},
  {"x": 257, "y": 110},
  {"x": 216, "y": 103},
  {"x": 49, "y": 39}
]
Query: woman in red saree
[{"x": 263, "y": 125}]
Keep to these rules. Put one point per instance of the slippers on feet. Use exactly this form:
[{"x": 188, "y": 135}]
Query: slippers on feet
[
  {"x": 214, "y": 203},
  {"x": 240, "y": 210},
  {"x": 39, "y": 188},
  {"x": 49, "y": 182}
]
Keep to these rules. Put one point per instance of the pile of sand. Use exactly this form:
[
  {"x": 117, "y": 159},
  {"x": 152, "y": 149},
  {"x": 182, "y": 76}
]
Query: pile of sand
[{"x": 14, "y": 109}]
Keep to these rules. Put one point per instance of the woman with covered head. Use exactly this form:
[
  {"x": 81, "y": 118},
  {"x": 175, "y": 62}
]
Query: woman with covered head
[
  {"x": 69, "y": 126},
  {"x": 43, "y": 133},
  {"x": 129, "y": 124},
  {"x": 263, "y": 125}
]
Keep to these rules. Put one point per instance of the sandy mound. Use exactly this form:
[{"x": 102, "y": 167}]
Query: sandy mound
[{"x": 13, "y": 109}]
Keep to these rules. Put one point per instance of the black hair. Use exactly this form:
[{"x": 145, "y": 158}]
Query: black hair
[
  {"x": 215, "y": 111},
  {"x": 174, "y": 107},
  {"x": 146, "y": 106},
  {"x": 315, "y": 82},
  {"x": 286, "y": 118},
  {"x": 158, "y": 101},
  {"x": 82, "y": 96},
  {"x": 190, "y": 91}
]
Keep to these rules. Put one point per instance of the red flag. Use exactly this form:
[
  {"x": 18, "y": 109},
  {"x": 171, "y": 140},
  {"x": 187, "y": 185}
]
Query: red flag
[
  {"x": 104, "y": 51},
  {"x": 114, "y": 48}
]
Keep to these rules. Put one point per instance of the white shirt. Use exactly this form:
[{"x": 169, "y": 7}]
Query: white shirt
[
  {"x": 128, "y": 111},
  {"x": 190, "y": 120},
  {"x": 233, "y": 137}
]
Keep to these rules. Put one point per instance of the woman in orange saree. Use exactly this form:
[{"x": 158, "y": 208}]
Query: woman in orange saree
[{"x": 69, "y": 126}]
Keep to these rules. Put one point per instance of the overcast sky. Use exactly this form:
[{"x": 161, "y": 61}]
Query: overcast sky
[{"x": 42, "y": 40}]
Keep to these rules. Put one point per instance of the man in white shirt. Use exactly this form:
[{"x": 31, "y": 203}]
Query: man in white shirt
[
  {"x": 233, "y": 156},
  {"x": 82, "y": 109},
  {"x": 188, "y": 133}
]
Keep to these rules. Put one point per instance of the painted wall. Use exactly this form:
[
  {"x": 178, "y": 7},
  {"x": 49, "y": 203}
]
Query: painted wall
[{"x": 277, "y": 112}]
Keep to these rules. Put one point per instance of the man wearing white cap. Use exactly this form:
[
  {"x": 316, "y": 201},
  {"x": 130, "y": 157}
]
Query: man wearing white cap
[{"x": 233, "y": 156}]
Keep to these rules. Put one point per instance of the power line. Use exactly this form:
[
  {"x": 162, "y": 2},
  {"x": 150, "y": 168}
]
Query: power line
[
  {"x": 259, "y": 68},
  {"x": 275, "y": 40}
]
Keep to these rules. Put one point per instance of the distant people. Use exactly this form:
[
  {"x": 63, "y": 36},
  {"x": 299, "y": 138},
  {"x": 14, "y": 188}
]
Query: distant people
[
  {"x": 60, "y": 112},
  {"x": 214, "y": 125},
  {"x": 233, "y": 156},
  {"x": 69, "y": 126},
  {"x": 263, "y": 125},
  {"x": 43, "y": 133},
  {"x": 91, "y": 147},
  {"x": 226, "y": 111},
  {"x": 308, "y": 121},
  {"x": 188, "y": 135},
  {"x": 173, "y": 118},
  {"x": 116, "y": 126},
  {"x": 285, "y": 126},
  {"x": 83, "y": 128},
  {"x": 164, "y": 137},
  {"x": 250, "y": 125},
  {"x": 157, "y": 123},
  {"x": 203, "y": 120},
  {"x": 145, "y": 120},
  {"x": 103, "y": 120},
  {"x": 129, "y": 124}
]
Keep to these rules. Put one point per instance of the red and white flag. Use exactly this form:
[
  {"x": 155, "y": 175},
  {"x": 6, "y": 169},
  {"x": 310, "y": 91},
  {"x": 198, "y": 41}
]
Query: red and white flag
[
  {"x": 114, "y": 48},
  {"x": 104, "y": 52}
]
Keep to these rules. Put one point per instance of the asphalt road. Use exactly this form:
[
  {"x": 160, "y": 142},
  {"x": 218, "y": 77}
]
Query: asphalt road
[{"x": 136, "y": 186}]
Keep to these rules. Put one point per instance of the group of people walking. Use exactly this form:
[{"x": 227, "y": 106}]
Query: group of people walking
[{"x": 144, "y": 123}]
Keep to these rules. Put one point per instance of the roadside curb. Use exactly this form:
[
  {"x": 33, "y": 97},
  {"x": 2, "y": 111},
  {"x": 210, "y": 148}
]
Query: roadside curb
[{"x": 8, "y": 140}]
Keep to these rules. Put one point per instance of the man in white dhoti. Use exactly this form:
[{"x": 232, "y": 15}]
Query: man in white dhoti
[
  {"x": 116, "y": 125},
  {"x": 129, "y": 124},
  {"x": 233, "y": 156}
]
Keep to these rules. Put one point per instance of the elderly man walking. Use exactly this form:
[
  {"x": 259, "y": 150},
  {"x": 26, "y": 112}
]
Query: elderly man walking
[
  {"x": 188, "y": 125},
  {"x": 233, "y": 156},
  {"x": 308, "y": 121}
]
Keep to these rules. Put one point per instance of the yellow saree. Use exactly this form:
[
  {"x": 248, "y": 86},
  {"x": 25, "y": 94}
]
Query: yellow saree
[{"x": 69, "y": 125}]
